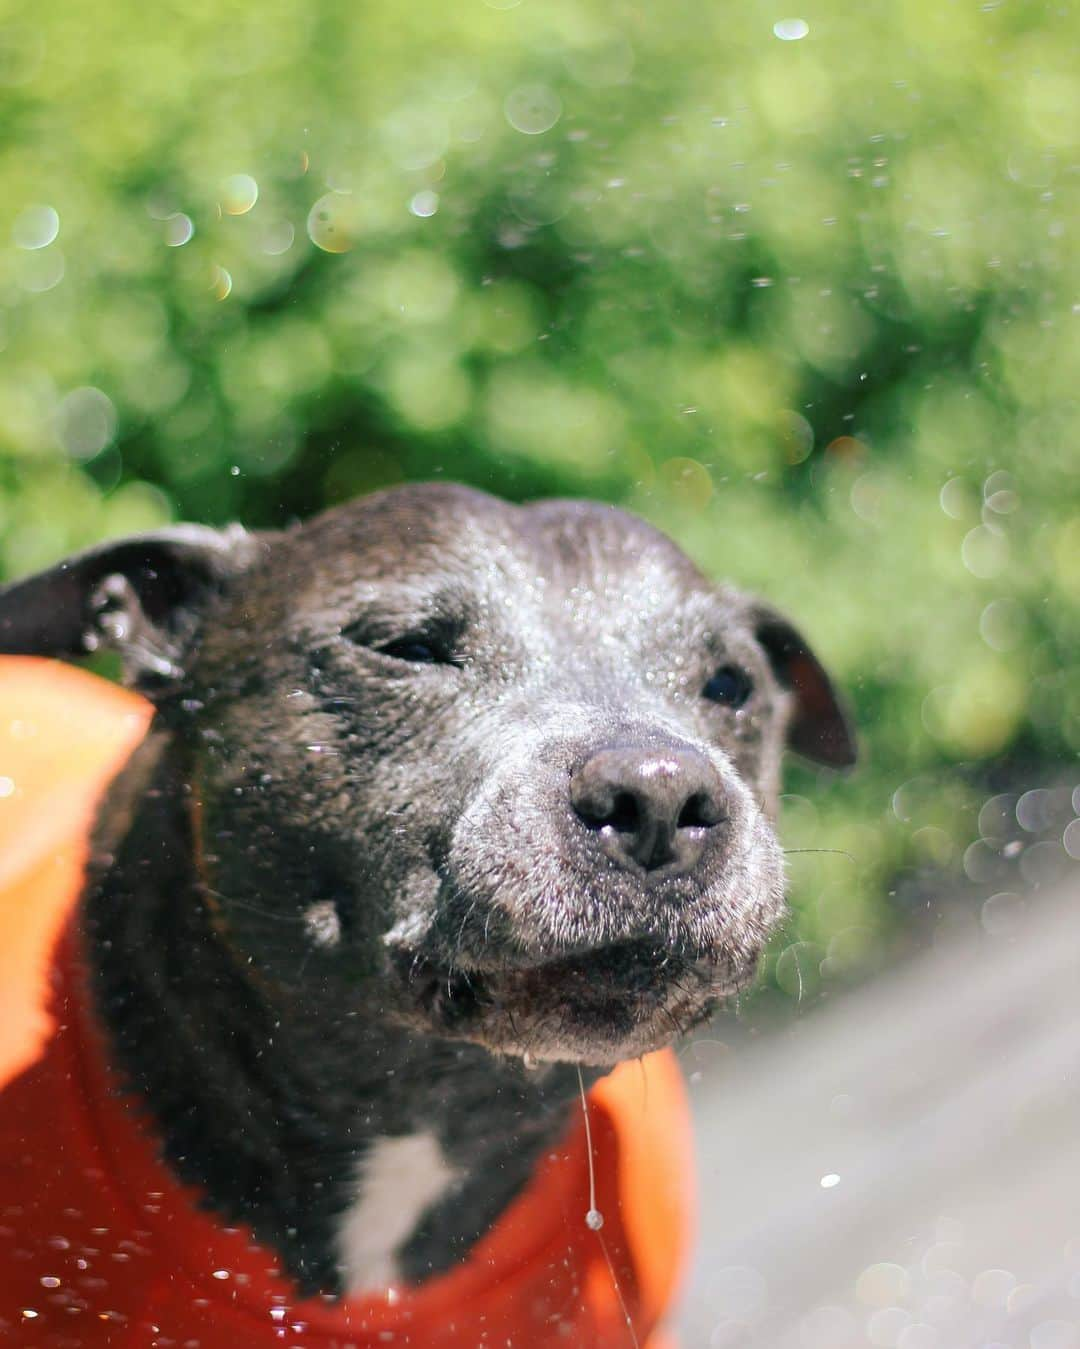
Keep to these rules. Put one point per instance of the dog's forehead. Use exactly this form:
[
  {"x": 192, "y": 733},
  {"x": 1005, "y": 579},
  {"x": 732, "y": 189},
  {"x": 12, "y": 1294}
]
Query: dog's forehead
[{"x": 429, "y": 536}]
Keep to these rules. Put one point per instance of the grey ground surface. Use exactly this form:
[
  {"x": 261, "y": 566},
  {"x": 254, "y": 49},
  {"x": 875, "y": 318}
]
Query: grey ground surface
[{"x": 902, "y": 1167}]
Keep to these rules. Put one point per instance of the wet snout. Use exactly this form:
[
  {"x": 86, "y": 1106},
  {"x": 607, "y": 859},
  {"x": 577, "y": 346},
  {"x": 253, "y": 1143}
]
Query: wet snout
[{"x": 654, "y": 811}]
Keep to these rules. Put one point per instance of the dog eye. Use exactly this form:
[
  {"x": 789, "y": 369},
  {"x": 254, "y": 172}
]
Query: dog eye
[
  {"x": 729, "y": 686},
  {"x": 419, "y": 651}
]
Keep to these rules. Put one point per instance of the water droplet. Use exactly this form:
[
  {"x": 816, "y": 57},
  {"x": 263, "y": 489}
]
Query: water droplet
[
  {"x": 594, "y": 1220},
  {"x": 830, "y": 1181},
  {"x": 790, "y": 30},
  {"x": 7, "y": 786}
]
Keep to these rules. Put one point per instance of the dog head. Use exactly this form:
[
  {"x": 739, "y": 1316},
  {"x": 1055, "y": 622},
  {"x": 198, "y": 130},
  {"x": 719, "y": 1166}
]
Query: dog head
[{"x": 502, "y": 774}]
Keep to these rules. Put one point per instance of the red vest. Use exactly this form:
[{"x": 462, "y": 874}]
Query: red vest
[{"x": 101, "y": 1246}]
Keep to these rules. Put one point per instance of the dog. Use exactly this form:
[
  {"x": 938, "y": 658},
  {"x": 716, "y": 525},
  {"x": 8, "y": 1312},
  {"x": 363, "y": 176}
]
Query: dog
[{"x": 447, "y": 806}]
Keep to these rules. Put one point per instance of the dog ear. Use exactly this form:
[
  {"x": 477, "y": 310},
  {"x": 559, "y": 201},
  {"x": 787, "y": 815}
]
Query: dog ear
[
  {"x": 820, "y": 727},
  {"x": 140, "y": 596}
]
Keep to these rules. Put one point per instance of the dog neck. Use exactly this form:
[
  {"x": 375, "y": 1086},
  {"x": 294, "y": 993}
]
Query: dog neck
[{"x": 362, "y": 1152}]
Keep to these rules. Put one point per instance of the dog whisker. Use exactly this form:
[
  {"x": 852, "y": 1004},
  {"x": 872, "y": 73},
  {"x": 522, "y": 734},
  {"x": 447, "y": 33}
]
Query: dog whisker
[
  {"x": 248, "y": 907},
  {"x": 841, "y": 852}
]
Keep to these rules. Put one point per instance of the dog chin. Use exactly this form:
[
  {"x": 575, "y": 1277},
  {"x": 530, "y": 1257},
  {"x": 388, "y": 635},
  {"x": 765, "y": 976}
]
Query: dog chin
[{"x": 596, "y": 1007}]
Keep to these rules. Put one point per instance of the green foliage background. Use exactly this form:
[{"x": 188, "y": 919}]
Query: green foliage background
[{"x": 809, "y": 303}]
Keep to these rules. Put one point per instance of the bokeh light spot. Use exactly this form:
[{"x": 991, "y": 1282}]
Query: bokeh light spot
[
  {"x": 416, "y": 137},
  {"x": 1003, "y": 624},
  {"x": 791, "y": 30},
  {"x": 1055, "y": 1334},
  {"x": 1003, "y": 915},
  {"x": 884, "y": 1327},
  {"x": 532, "y": 109},
  {"x": 85, "y": 422},
  {"x": 845, "y": 450},
  {"x": 687, "y": 481},
  {"x": 882, "y": 1285},
  {"x": 798, "y": 969},
  {"x": 239, "y": 193},
  {"x": 956, "y": 499},
  {"x": 796, "y": 436},
  {"x": 41, "y": 270},
  {"x": 331, "y": 223},
  {"x": 991, "y": 1287},
  {"x": 222, "y": 283},
  {"x": 985, "y": 552},
  {"x": 177, "y": 229},
  {"x": 35, "y": 227},
  {"x": 277, "y": 238},
  {"x": 920, "y": 1335},
  {"x": 424, "y": 203}
]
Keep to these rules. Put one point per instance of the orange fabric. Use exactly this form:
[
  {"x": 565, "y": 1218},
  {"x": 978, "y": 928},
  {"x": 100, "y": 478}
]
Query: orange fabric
[
  {"x": 100, "y": 1246},
  {"x": 63, "y": 736}
]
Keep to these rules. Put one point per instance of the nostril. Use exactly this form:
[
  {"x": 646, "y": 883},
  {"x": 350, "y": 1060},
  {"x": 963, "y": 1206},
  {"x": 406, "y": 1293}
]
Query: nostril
[
  {"x": 625, "y": 817},
  {"x": 618, "y": 811},
  {"x": 699, "y": 812}
]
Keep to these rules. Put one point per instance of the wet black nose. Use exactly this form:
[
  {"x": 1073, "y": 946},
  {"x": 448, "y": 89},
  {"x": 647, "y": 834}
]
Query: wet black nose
[{"x": 653, "y": 808}]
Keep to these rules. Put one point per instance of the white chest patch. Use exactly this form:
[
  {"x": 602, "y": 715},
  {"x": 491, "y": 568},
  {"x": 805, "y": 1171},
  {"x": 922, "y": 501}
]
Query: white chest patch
[{"x": 398, "y": 1179}]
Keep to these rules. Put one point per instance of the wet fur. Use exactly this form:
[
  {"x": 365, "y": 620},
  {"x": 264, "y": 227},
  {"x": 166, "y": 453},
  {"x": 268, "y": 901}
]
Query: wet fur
[{"x": 336, "y": 897}]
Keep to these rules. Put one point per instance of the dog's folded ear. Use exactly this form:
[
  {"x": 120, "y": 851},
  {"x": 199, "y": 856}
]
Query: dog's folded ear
[
  {"x": 140, "y": 596},
  {"x": 820, "y": 728}
]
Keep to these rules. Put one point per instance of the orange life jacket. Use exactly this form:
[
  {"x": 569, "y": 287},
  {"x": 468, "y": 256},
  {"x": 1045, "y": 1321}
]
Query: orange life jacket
[{"x": 101, "y": 1246}]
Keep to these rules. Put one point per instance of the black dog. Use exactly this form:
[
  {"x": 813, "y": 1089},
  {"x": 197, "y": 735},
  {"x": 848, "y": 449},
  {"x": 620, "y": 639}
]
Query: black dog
[{"x": 439, "y": 790}]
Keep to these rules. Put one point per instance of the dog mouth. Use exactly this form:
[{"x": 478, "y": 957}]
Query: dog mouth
[{"x": 597, "y": 1006}]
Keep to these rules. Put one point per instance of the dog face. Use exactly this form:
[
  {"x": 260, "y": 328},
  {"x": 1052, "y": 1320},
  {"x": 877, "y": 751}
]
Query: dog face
[{"x": 499, "y": 774}]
